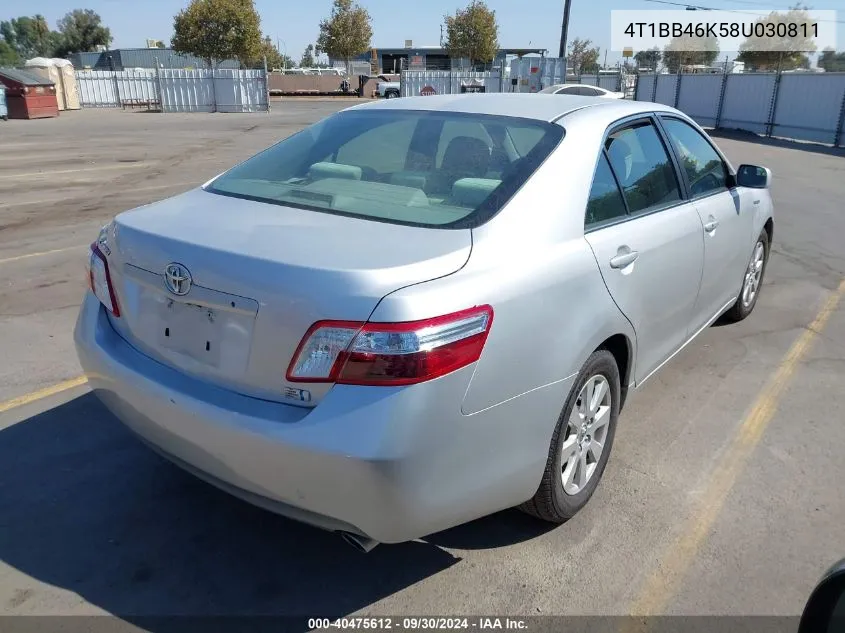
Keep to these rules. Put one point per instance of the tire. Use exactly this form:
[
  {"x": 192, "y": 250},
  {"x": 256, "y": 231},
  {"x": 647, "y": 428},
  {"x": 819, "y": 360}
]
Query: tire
[
  {"x": 391, "y": 94},
  {"x": 555, "y": 501},
  {"x": 742, "y": 308}
]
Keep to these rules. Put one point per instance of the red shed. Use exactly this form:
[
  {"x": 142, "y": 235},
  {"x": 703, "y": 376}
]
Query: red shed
[{"x": 29, "y": 96}]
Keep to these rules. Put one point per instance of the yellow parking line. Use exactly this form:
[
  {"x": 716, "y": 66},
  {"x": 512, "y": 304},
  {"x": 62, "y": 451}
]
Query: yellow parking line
[
  {"x": 672, "y": 566},
  {"x": 28, "y": 255},
  {"x": 43, "y": 174},
  {"x": 42, "y": 393}
]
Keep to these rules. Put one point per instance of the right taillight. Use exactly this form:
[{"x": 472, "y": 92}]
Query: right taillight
[
  {"x": 355, "y": 353},
  {"x": 99, "y": 279}
]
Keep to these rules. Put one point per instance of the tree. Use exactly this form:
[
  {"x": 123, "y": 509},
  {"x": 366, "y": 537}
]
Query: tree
[
  {"x": 218, "y": 29},
  {"x": 832, "y": 61},
  {"x": 346, "y": 33},
  {"x": 473, "y": 33},
  {"x": 307, "y": 60},
  {"x": 649, "y": 58},
  {"x": 81, "y": 31},
  {"x": 771, "y": 53},
  {"x": 29, "y": 37},
  {"x": 8, "y": 55},
  {"x": 690, "y": 51},
  {"x": 582, "y": 56},
  {"x": 275, "y": 59}
]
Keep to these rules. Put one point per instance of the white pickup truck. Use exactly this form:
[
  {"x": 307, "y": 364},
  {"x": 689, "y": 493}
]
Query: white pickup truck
[{"x": 388, "y": 87}]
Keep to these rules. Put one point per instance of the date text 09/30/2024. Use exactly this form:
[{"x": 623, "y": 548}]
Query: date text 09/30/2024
[{"x": 418, "y": 623}]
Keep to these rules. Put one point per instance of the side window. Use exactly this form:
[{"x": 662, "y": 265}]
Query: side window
[
  {"x": 590, "y": 92},
  {"x": 704, "y": 167},
  {"x": 605, "y": 202},
  {"x": 568, "y": 91},
  {"x": 643, "y": 168},
  {"x": 382, "y": 149}
]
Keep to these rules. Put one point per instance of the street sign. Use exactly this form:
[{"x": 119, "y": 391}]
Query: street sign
[{"x": 627, "y": 52}]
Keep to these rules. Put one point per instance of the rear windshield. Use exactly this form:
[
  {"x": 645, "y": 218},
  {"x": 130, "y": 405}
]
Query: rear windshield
[{"x": 422, "y": 168}]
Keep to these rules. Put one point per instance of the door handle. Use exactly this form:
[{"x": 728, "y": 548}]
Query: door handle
[
  {"x": 620, "y": 261},
  {"x": 711, "y": 226}
]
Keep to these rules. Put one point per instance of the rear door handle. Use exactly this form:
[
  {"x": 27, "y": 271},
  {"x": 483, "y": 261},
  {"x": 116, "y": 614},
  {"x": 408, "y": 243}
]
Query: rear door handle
[
  {"x": 711, "y": 226},
  {"x": 620, "y": 261}
]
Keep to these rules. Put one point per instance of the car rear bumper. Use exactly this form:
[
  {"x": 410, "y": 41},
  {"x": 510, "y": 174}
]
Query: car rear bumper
[{"x": 391, "y": 464}]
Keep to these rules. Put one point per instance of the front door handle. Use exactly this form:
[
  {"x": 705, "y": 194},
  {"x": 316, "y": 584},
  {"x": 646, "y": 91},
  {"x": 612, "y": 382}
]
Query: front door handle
[
  {"x": 625, "y": 259},
  {"x": 711, "y": 226}
]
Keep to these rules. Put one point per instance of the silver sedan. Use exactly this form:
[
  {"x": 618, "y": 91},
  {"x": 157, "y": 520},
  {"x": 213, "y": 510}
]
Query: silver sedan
[{"x": 418, "y": 312}]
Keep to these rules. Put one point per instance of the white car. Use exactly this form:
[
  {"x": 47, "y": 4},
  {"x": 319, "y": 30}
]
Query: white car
[{"x": 582, "y": 91}]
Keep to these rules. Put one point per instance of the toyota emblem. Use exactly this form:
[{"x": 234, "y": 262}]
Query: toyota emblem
[{"x": 177, "y": 279}]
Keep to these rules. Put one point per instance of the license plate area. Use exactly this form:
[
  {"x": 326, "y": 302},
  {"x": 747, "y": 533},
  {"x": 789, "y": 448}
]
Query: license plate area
[{"x": 192, "y": 330}]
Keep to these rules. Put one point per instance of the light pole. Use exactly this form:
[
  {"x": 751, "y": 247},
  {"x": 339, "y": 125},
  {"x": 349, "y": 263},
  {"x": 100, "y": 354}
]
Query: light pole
[
  {"x": 285, "y": 54},
  {"x": 564, "y": 28}
]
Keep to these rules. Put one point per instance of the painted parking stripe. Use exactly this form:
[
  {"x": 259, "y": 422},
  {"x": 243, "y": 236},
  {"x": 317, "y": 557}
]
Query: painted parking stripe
[
  {"x": 39, "y": 254},
  {"x": 673, "y": 564},
  {"x": 52, "y": 390}
]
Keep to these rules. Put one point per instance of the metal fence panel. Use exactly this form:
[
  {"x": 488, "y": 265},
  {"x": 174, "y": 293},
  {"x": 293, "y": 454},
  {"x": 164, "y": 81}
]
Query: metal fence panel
[
  {"x": 430, "y": 82},
  {"x": 645, "y": 87},
  {"x": 808, "y": 106},
  {"x": 748, "y": 101},
  {"x": 666, "y": 86},
  {"x": 186, "y": 90},
  {"x": 97, "y": 89},
  {"x": 699, "y": 97},
  {"x": 176, "y": 90}
]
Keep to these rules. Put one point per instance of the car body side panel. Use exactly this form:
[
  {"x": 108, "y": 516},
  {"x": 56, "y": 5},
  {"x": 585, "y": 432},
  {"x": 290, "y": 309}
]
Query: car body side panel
[{"x": 532, "y": 264}]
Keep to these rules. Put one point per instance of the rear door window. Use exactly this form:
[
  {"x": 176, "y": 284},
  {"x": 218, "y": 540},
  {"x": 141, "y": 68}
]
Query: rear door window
[
  {"x": 643, "y": 167},
  {"x": 605, "y": 203}
]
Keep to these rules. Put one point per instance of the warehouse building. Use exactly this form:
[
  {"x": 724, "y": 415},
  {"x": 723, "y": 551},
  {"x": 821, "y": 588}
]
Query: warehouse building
[
  {"x": 127, "y": 58},
  {"x": 410, "y": 57}
]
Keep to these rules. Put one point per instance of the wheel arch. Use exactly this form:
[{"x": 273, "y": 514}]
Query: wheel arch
[{"x": 622, "y": 349}]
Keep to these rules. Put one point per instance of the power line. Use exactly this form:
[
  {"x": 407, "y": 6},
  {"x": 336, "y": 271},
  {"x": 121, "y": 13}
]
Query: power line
[{"x": 739, "y": 11}]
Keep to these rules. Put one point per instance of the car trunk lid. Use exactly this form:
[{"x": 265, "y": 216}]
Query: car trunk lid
[{"x": 247, "y": 279}]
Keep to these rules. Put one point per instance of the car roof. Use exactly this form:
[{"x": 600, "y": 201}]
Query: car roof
[
  {"x": 542, "y": 107},
  {"x": 559, "y": 86}
]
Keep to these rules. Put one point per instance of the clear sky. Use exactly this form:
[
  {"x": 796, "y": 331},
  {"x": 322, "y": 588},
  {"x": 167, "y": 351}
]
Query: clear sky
[{"x": 530, "y": 23}]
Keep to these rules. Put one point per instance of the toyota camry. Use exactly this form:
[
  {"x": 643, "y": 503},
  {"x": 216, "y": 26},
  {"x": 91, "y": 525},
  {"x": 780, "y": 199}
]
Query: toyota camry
[{"x": 421, "y": 311}]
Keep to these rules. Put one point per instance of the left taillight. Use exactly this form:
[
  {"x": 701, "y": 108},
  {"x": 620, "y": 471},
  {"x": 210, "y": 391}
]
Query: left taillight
[
  {"x": 99, "y": 280},
  {"x": 389, "y": 354}
]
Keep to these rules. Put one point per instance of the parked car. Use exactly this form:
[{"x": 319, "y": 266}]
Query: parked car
[
  {"x": 417, "y": 313},
  {"x": 388, "y": 87},
  {"x": 582, "y": 91}
]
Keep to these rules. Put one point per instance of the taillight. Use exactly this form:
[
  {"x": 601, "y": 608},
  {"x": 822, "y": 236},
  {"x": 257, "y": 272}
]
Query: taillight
[
  {"x": 100, "y": 280},
  {"x": 354, "y": 353}
]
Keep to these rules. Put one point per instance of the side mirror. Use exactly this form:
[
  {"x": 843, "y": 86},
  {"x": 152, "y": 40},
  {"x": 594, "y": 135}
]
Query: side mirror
[
  {"x": 825, "y": 610},
  {"x": 753, "y": 176}
]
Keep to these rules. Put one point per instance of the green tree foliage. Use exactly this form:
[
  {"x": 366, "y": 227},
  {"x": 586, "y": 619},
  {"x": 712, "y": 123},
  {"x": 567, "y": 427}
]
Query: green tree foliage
[
  {"x": 473, "y": 33},
  {"x": 832, "y": 61},
  {"x": 690, "y": 51},
  {"x": 8, "y": 55},
  {"x": 219, "y": 29},
  {"x": 275, "y": 59},
  {"x": 81, "y": 30},
  {"x": 29, "y": 37},
  {"x": 582, "y": 56},
  {"x": 649, "y": 58},
  {"x": 346, "y": 33},
  {"x": 786, "y": 53},
  {"x": 307, "y": 60}
]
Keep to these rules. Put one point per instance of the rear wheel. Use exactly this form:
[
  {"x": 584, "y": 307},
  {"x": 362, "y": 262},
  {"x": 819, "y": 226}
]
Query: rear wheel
[
  {"x": 752, "y": 281},
  {"x": 581, "y": 442},
  {"x": 391, "y": 94}
]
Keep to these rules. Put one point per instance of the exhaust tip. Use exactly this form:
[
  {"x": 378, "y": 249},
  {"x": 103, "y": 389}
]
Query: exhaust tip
[{"x": 361, "y": 543}]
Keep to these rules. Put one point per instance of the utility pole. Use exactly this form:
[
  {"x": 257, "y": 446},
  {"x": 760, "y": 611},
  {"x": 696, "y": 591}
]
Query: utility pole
[{"x": 564, "y": 27}]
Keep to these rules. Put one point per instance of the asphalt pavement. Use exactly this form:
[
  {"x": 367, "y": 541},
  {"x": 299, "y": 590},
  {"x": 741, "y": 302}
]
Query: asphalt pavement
[{"x": 723, "y": 495}]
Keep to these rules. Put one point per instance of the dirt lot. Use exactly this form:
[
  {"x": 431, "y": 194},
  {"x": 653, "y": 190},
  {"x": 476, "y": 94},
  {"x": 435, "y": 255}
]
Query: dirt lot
[{"x": 723, "y": 495}]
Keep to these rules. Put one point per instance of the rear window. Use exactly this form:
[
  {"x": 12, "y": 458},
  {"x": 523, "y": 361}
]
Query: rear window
[{"x": 449, "y": 170}]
